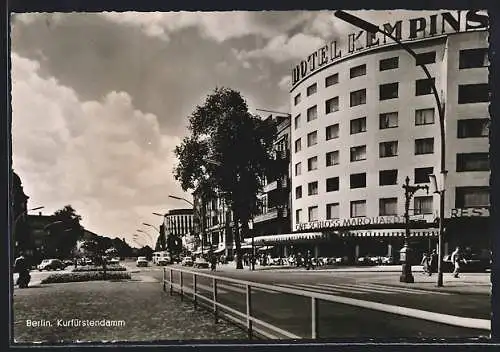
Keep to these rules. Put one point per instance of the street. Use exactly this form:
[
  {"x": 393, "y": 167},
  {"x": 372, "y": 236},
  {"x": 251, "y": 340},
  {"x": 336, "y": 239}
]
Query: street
[{"x": 337, "y": 320}]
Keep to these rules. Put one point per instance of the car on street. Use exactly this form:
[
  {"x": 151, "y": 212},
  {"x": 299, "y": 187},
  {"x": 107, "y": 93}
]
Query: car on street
[
  {"x": 88, "y": 261},
  {"x": 141, "y": 261},
  {"x": 51, "y": 264},
  {"x": 162, "y": 261},
  {"x": 200, "y": 263},
  {"x": 68, "y": 262},
  {"x": 187, "y": 261},
  {"x": 366, "y": 260},
  {"x": 114, "y": 261}
]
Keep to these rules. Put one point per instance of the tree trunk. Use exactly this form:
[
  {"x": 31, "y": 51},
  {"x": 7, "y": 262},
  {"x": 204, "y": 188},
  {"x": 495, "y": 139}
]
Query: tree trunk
[{"x": 239, "y": 261}]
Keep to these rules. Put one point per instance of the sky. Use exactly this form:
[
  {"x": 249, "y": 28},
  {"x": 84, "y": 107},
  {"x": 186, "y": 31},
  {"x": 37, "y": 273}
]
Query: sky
[{"x": 100, "y": 100}]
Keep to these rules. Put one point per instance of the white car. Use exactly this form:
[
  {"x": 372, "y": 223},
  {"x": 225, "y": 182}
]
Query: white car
[
  {"x": 187, "y": 261},
  {"x": 142, "y": 261},
  {"x": 200, "y": 263}
]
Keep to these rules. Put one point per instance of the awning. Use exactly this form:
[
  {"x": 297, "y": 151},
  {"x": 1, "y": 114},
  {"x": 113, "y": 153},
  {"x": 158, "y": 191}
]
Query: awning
[
  {"x": 265, "y": 248},
  {"x": 391, "y": 233},
  {"x": 291, "y": 237}
]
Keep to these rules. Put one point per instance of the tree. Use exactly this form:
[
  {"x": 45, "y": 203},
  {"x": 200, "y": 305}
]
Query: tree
[
  {"x": 229, "y": 151},
  {"x": 65, "y": 231}
]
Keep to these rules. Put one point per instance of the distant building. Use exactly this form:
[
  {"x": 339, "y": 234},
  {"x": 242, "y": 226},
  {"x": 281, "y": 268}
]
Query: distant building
[{"x": 178, "y": 222}]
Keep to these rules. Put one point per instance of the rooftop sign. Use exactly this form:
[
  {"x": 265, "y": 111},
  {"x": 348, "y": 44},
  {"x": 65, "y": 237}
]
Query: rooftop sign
[{"x": 415, "y": 28}]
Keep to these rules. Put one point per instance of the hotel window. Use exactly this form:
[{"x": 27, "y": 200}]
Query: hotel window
[
  {"x": 332, "y": 131},
  {"x": 424, "y": 86},
  {"x": 388, "y": 206},
  {"x": 473, "y": 93},
  {"x": 312, "y": 188},
  {"x": 389, "y": 64},
  {"x": 358, "y": 71},
  {"x": 298, "y": 192},
  {"x": 358, "y": 97},
  {"x": 313, "y": 213},
  {"x": 358, "y": 125},
  {"x": 331, "y": 80},
  {"x": 358, "y": 208},
  {"x": 388, "y": 120},
  {"x": 298, "y": 146},
  {"x": 426, "y": 58},
  {"x": 388, "y": 149},
  {"x": 358, "y": 153},
  {"x": 312, "y": 138},
  {"x": 332, "y": 105},
  {"x": 472, "y": 58},
  {"x": 312, "y": 163},
  {"x": 424, "y": 117},
  {"x": 332, "y": 211},
  {"x": 387, "y": 177},
  {"x": 298, "y": 169},
  {"x": 422, "y": 205},
  {"x": 473, "y": 128},
  {"x": 358, "y": 180},
  {"x": 332, "y": 158},
  {"x": 424, "y": 146},
  {"x": 388, "y": 91},
  {"x": 298, "y": 214},
  {"x": 472, "y": 197},
  {"x": 313, "y": 88},
  {"x": 297, "y": 121},
  {"x": 297, "y": 99},
  {"x": 312, "y": 113},
  {"x": 473, "y": 162},
  {"x": 332, "y": 184},
  {"x": 422, "y": 174}
]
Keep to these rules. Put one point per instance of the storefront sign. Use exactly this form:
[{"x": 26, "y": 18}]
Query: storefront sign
[
  {"x": 469, "y": 212},
  {"x": 417, "y": 28},
  {"x": 336, "y": 223}
]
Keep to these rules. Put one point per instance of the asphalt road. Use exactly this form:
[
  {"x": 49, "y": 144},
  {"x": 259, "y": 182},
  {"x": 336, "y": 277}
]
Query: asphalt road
[{"x": 293, "y": 313}]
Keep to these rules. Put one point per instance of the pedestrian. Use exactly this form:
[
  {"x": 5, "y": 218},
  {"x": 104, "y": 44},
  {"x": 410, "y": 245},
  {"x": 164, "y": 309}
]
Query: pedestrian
[
  {"x": 21, "y": 266},
  {"x": 425, "y": 263},
  {"x": 433, "y": 262},
  {"x": 213, "y": 261},
  {"x": 456, "y": 259}
]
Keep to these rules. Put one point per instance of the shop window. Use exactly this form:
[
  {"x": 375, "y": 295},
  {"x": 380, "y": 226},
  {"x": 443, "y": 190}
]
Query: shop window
[
  {"x": 358, "y": 153},
  {"x": 388, "y": 91},
  {"x": 312, "y": 163},
  {"x": 388, "y": 177},
  {"x": 473, "y": 162},
  {"x": 423, "y": 205},
  {"x": 422, "y": 174},
  {"x": 332, "y": 131},
  {"x": 332, "y": 105},
  {"x": 388, "y": 120},
  {"x": 313, "y": 213},
  {"x": 332, "y": 211},
  {"x": 473, "y": 93},
  {"x": 473, "y": 128},
  {"x": 424, "y": 86},
  {"x": 312, "y": 188},
  {"x": 388, "y": 149},
  {"x": 426, "y": 58},
  {"x": 358, "y": 208},
  {"x": 389, "y": 64},
  {"x": 298, "y": 192},
  {"x": 424, "y": 146},
  {"x": 358, "y": 180},
  {"x": 473, "y": 58},
  {"x": 358, "y": 71},
  {"x": 332, "y": 184},
  {"x": 331, "y": 80},
  {"x": 358, "y": 97},
  {"x": 358, "y": 125},
  {"x": 388, "y": 206},
  {"x": 424, "y": 116},
  {"x": 312, "y": 138},
  {"x": 332, "y": 158},
  {"x": 472, "y": 197},
  {"x": 312, "y": 113}
]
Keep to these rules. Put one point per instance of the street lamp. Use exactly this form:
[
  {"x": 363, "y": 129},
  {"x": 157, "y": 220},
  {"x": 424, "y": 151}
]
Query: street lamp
[
  {"x": 406, "y": 275},
  {"x": 370, "y": 27},
  {"x": 440, "y": 191}
]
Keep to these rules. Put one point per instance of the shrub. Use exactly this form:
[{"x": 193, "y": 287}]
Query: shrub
[
  {"x": 99, "y": 268},
  {"x": 84, "y": 276}
]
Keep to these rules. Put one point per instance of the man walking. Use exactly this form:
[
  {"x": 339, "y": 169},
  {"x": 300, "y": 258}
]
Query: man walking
[
  {"x": 21, "y": 266},
  {"x": 433, "y": 262},
  {"x": 455, "y": 259}
]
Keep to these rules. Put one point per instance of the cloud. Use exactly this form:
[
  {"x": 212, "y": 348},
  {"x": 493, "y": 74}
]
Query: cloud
[
  {"x": 285, "y": 82},
  {"x": 103, "y": 157}
]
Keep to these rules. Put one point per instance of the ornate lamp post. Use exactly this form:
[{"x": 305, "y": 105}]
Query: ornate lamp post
[{"x": 406, "y": 274}]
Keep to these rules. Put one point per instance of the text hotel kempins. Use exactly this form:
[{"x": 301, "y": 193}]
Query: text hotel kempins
[{"x": 417, "y": 28}]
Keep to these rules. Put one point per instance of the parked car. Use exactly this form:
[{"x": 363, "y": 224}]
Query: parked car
[
  {"x": 187, "y": 261},
  {"x": 366, "y": 260},
  {"x": 200, "y": 263},
  {"x": 114, "y": 261},
  {"x": 142, "y": 261},
  {"x": 163, "y": 261},
  {"x": 88, "y": 261},
  {"x": 472, "y": 263},
  {"x": 51, "y": 264},
  {"x": 389, "y": 260},
  {"x": 68, "y": 262}
]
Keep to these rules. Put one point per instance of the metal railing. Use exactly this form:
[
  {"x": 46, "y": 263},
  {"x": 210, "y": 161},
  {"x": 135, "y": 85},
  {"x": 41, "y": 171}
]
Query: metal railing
[{"x": 249, "y": 321}]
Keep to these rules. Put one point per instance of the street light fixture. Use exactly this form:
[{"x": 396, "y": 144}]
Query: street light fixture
[{"x": 370, "y": 27}]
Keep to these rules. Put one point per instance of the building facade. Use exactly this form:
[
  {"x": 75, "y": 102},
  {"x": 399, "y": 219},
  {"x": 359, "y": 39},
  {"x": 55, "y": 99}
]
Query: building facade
[
  {"x": 178, "y": 222},
  {"x": 365, "y": 122}
]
